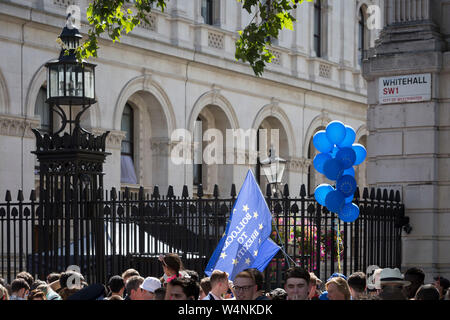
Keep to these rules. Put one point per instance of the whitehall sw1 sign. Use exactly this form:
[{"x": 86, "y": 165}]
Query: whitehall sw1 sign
[{"x": 410, "y": 88}]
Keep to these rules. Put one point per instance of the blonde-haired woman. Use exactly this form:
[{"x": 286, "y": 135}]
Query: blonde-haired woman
[{"x": 338, "y": 289}]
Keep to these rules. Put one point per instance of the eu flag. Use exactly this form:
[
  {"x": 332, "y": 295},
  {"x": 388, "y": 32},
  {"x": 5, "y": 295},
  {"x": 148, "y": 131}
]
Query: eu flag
[{"x": 246, "y": 242}]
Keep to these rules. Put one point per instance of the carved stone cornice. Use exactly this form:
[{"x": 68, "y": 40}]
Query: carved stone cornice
[
  {"x": 298, "y": 164},
  {"x": 161, "y": 145},
  {"x": 17, "y": 126},
  {"x": 114, "y": 138}
]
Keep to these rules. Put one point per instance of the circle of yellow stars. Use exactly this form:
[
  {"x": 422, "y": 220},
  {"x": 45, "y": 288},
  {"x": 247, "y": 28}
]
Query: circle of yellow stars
[{"x": 223, "y": 255}]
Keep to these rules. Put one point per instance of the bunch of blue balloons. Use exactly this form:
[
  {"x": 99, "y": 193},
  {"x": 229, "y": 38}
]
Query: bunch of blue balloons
[{"x": 338, "y": 154}]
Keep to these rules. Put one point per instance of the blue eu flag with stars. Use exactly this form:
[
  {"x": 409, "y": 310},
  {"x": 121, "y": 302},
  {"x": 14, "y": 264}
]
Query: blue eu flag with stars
[{"x": 246, "y": 243}]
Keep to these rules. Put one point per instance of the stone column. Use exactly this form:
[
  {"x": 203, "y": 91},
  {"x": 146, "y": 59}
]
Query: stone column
[{"x": 408, "y": 147}]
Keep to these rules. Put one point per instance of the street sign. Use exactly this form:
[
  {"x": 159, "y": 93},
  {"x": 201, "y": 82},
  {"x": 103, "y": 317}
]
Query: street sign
[{"x": 408, "y": 88}]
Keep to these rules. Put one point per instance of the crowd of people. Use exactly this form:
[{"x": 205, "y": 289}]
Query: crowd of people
[{"x": 178, "y": 283}]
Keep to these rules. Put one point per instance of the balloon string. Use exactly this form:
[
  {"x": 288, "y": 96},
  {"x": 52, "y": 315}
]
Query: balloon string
[
  {"x": 283, "y": 246},
  {"x": 338, "y": 236}
]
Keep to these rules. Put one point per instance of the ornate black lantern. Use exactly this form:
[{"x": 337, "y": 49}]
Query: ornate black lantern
[
  {"x": 70, "y": 82},
  {"x": 70, "y": 163}
]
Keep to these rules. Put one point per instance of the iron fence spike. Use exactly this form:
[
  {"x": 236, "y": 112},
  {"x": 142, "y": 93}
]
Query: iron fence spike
[{"x": 20, "y": 196}]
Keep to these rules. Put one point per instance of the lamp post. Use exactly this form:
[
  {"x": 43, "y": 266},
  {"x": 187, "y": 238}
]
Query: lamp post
[
  {"x": 70, "y": 164},
  {"x": 273, "y": 168}
]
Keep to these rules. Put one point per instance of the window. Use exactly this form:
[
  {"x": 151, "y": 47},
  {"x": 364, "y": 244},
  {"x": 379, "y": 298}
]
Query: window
[
  {"x": 361, "y": 36},
  {"x": 127, "y": 171},
  {"x": 198, "y": 152},
  {"x": 43, "y": 110},
  {"x": 207, "y": 11},
  {"x": 318, "y": 27}
]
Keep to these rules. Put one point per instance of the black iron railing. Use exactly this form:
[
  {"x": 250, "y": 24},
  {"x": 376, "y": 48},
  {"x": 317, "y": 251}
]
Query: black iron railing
[{"x": 120, "y": 230}]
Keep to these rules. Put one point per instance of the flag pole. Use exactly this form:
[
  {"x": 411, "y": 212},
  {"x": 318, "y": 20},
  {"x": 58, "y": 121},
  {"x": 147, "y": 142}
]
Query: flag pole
[{"x": 286, "y": 255}]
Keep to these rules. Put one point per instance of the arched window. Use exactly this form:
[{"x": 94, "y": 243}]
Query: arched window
[
  {"x": 198, "y": 152},
  {"x": 42, "y": 109},
  {"x": 127, "y": 173},
  {"x": 318, "y": 28},
  {"x": 361, "y": 35}
]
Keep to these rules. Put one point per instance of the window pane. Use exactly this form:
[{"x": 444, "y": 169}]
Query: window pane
[
  {"x": 207, "y": 11},
  {"x": 317, "y": 28},
  {"x": 70, "y": 80},
  {"x": 54, "y": 81},
  {"x": 198, "y": 151},
  {"x": 127, "y": 126},
  {"x": 317, "y": 46},
  {"x": 89, "y": 82},
  {"x": 42, "y": 110},
  {"x": 127, "y": 172},
  {"x": 61, "y": 80}
]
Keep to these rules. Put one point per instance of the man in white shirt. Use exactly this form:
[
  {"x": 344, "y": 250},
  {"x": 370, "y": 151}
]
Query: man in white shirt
[{"x": 219, "y": 285}]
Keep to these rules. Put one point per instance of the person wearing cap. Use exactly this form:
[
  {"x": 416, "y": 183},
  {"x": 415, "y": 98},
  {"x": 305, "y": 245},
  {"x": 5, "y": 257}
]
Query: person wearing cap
[
  {"x": 442, "y": 284},
  {"x": 149, "y": 286},
  {"x": 392, "y": 284}
]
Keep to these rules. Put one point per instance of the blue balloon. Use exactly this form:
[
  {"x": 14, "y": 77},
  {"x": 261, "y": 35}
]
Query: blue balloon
[
  {"x": 349, "y": 213},
  {"x": 320, "y": 160},
  {"x": 348, "y": 172},
  {"x": 321, "y": 142},
  {"x": 361, "y": 153},
  {"x": 321, "y": 193},
  {"x": 350, "y": 136},
  {"x": 347, "y": 156},
  {"x": 346, "y": 185},
  {"x": 335, "y": 201},
  {"x": 334, "y": 152},
  {"x": 336, "y": 132},
  {"x": 332, "y": 169},
  {"x": 349, "y": 199}
]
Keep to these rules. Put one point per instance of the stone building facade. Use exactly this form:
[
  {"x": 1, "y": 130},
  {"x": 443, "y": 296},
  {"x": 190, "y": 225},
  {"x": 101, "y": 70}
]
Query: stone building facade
[
  {"x": 408, "y": 142},
  {"x": 180, "y": 72}
]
